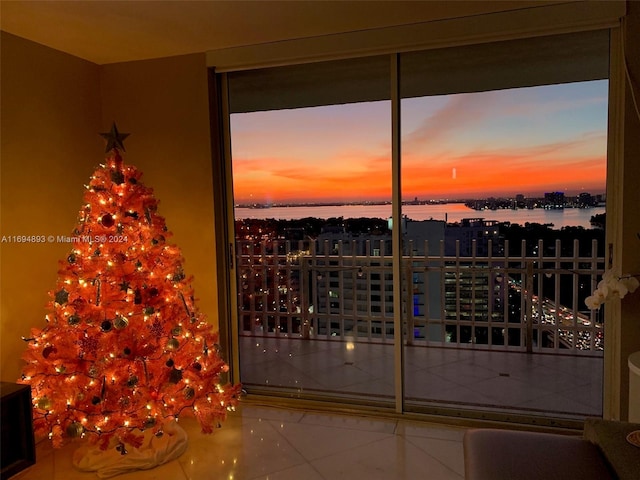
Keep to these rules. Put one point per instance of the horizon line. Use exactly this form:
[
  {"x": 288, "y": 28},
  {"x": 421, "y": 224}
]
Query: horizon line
[{"x": 415, "y": 200}]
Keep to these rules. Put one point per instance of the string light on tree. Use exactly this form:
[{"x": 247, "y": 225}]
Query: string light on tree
[{"x": 124, "y": 347}]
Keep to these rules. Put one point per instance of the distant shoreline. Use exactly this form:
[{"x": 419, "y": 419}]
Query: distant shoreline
[
  {"x": 259, "y": 206},
  {"x": 447, "y": 212}
]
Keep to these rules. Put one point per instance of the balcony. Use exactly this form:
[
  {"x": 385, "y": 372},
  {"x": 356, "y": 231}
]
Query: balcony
[{"x": 497, "y": 332}]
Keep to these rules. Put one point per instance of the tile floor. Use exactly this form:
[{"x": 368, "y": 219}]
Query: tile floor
[
  {"x": 281, "y": 444},
  {"x": 538, "y": 384}
]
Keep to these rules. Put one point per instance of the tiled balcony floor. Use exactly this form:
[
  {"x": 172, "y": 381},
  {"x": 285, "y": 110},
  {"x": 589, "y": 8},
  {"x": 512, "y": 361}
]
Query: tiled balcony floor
[
  {"x": 279, "y": 444},
  {"x": 537, "y": 384}
]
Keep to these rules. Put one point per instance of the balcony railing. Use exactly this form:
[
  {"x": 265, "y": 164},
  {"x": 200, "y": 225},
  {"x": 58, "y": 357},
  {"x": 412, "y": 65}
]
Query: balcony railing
[{"x": 343, "y": 291}]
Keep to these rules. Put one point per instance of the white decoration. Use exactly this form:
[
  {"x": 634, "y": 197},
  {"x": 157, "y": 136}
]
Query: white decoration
[{"x": 611, "y": 286}]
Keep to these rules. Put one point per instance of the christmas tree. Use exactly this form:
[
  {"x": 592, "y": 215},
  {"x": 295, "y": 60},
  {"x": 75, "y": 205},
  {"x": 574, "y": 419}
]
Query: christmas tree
[{"x": 124, "y": 348}]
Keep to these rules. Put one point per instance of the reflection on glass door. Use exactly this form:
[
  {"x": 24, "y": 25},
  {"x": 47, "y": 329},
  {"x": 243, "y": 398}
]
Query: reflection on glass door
[{"x": 311, "y": 179}]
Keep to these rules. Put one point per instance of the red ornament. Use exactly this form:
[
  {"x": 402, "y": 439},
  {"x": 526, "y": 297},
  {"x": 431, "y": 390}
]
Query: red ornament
[
  {"x": 107, "y": 220},
  {"x": 48, "y": 351}
]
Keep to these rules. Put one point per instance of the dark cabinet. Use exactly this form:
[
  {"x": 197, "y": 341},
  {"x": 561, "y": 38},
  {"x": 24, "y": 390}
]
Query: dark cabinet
[{"x": 18, "y": 445}]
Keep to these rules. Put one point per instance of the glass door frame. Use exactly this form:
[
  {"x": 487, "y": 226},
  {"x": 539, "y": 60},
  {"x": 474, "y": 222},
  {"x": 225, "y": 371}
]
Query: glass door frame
[{"x": 396, "y": 232}]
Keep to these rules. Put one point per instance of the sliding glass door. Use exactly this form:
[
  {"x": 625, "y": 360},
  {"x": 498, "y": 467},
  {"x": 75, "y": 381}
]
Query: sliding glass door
[
  {"x": 503, "y": 180},
  {"x": 311, "y": 167},
  {"x": 447, "y": 276}
]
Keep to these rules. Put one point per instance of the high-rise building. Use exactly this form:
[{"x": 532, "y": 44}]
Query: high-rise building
[
  {"x": 448, "y": 279},
  {"x": 472, "y": 291},
  {"x": 554, "y": 200},
  {"x": 586, "y": 200}
]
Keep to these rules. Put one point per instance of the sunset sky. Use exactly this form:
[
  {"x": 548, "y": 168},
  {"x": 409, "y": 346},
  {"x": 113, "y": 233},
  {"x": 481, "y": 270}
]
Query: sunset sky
[{"x": 498, "y": 143}]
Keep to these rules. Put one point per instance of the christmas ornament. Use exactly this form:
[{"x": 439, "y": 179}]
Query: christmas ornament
[
  {"x": 175, "y": 376},
  {"x": 178, "y": 276},
  {"x": 156, "y": 328},
  {"x": 44, "y": 403},
  {"x": 149, "y": 422},
  {"x": 88, "y": 345},
  {"x": 62, "y": 296},
  {"x": 120, "y": 322},
  {"x": 189, "y": 393},
  {"x": 75, "y": 429},
  {"x": 107, "y": 220},
  {"x": 48, "y": 350},
  {"x": 117, "y": 177}
]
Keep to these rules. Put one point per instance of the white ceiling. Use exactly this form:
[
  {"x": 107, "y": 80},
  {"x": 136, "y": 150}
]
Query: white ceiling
[{"x": 118, "y": 31}]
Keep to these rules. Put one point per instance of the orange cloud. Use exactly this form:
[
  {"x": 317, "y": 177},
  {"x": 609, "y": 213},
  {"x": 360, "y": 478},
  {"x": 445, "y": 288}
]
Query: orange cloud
[{"x": 499, "y": 143}]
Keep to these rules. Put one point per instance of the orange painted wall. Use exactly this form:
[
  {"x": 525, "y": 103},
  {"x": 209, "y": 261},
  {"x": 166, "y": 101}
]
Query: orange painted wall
[
  {"x": 164, "y": 105},
  {"x": 49, "y": 148}
]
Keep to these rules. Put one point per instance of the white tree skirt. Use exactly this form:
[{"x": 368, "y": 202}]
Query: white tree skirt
[{"x": 154, "y": 451}]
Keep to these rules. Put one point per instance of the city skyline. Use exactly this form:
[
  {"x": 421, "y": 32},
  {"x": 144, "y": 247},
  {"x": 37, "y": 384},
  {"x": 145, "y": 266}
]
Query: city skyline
[{"x": 497, "y": 143}]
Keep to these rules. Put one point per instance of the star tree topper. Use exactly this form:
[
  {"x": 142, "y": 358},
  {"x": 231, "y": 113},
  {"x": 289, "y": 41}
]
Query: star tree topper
[{"x": 114, "y": 138}]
